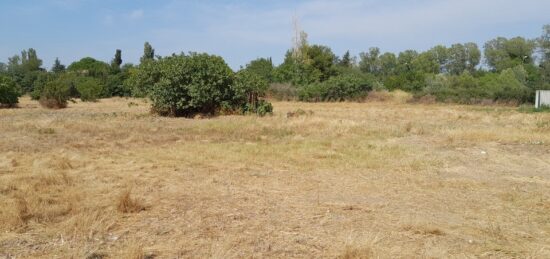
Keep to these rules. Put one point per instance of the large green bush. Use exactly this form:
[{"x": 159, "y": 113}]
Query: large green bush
[
  {"x": 141, "y": 79},
  {"x": 248, "y": 89},
  {"x": 57, "y": 93},
  {"x": 9, "y": 92},
  {"x": 189, "y": 85},
  {"x": 186, "y": 85},
  {"x": 89, "y": 89},
  {"x": 39, "y": 84},
  {"x": 346, "y": 87},
  {"x": 507, "y": 86}
]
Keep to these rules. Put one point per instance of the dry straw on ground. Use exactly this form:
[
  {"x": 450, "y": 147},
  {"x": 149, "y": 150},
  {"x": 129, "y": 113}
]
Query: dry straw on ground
[{"x": 382, "y": 179}]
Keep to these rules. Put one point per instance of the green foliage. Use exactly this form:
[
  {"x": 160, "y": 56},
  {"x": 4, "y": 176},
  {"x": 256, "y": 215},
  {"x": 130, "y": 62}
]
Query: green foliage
[
  {"x": 248, "y": 88},
  {"x": 148, "y": 53},
  {"x": 116, "y": 62},
  {"x": 338, "y": 88},
  {"x": 462, "y": 57},
  {"x": 188, "y": 85},
  {"x": 115, "y": 84},
  {"x": 370, "y": 62},
  {"x": 90, "y": 67},
  {"x": 262, "y": 67},
  {"x": 508, "y": 86},
  {"x": 39, "y": 83},
  {"x": 531, "y": 109},
  {"x": 140, "y": 80},
  {"x": 502, "y": 53},
  {"x": 89, "y": 88},
  {"x": 346, "y": 60},
  {"x": 58, "y": 67},
  {"x": 321, "y": 58},
  {"x": 24, "y": 69},
  {"x": 57, "y": 93},
  {"x": 263, "y": 108},
  {"x": 9, "y": 92},
  {"x": 3, "y": 68},
  {"x": 314, "y": 63}
]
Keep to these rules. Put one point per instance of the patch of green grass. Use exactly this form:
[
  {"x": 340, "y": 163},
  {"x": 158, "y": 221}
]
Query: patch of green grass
[{"x": 531, "y": 109}]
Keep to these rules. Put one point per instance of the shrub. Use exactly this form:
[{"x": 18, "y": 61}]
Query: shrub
[
  {"x": 263, "y": 108},
  {"x": 507, "y": 87},
  {"x": 56, "y": 93},
  {"x": 189, "y": 85},
  {"x": 248, "y": 88},
  {"x": 9, "y": 92},
  {"x": 339, "y": 88},
  {"x": 141, "y": 80},
  {"x": 39, "y": 84},
  {"x": 89, "y": 89}
]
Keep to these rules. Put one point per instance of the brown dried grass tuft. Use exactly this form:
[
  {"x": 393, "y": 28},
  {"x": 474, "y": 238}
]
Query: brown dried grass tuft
[
  {"x": 357, "y": 253},
  {"x": 129, "y": 204},
  {"x": 52, "y": 103}
]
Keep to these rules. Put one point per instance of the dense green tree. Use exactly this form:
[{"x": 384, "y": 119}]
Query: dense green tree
[
  {"x": 346, "y": 60},
  {"x": 316, "y": 64},
  {"x": 148, "y": 52},
  {"x": 544, "y": 43},
  {"x": 248, "y": 89},
  {"x": 30, "y": 60},
  {"x": 502, "y": 53},
  {"x": 89, "y": 89},
  {"x": 24, "y": 69},
  {"x": 405, "y": 60},
  {"x": 426, "y": 62},
  {"x": 115, "y": 85},
  {"x": 9, "y": 92},
  {"x": 90, "y": 67},
  {"x": 57, "y": 66},
  {"x": 544, "y": 66},
  {"x": 117, "y": 61},
  {"x": 441, "y": 54},
  {"x": 457, "y": 59},
  {"x": 322, "y": 59},
  {"x": 463, "y": 57},
  {"x": 262, "y": 67},
  {"x": 473, "y": 56},
  {"x": 369, "y": 62},
  {"x": 3, "y": 68},
  {"x": 388, "y": 64}
]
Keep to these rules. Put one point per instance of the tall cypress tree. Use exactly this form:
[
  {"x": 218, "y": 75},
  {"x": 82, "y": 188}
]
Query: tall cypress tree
[
  {"x": 148, "y": 52},
  {"x": 117, "y": 61},
  {"x": 57, "y": 66}
]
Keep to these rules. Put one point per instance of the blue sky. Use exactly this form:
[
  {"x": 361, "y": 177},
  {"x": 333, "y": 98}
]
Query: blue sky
[{"x": 244, "y": 30}]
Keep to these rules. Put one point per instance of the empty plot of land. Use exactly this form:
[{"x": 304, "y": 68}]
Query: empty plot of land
[{"x": 380, "y": 179}]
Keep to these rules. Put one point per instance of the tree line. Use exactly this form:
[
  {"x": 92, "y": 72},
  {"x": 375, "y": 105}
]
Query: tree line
[{"x": 505, "y": 70}]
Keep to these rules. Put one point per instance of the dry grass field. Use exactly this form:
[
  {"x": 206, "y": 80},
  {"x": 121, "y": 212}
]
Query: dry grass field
[{"x": 340, "y": 180}]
